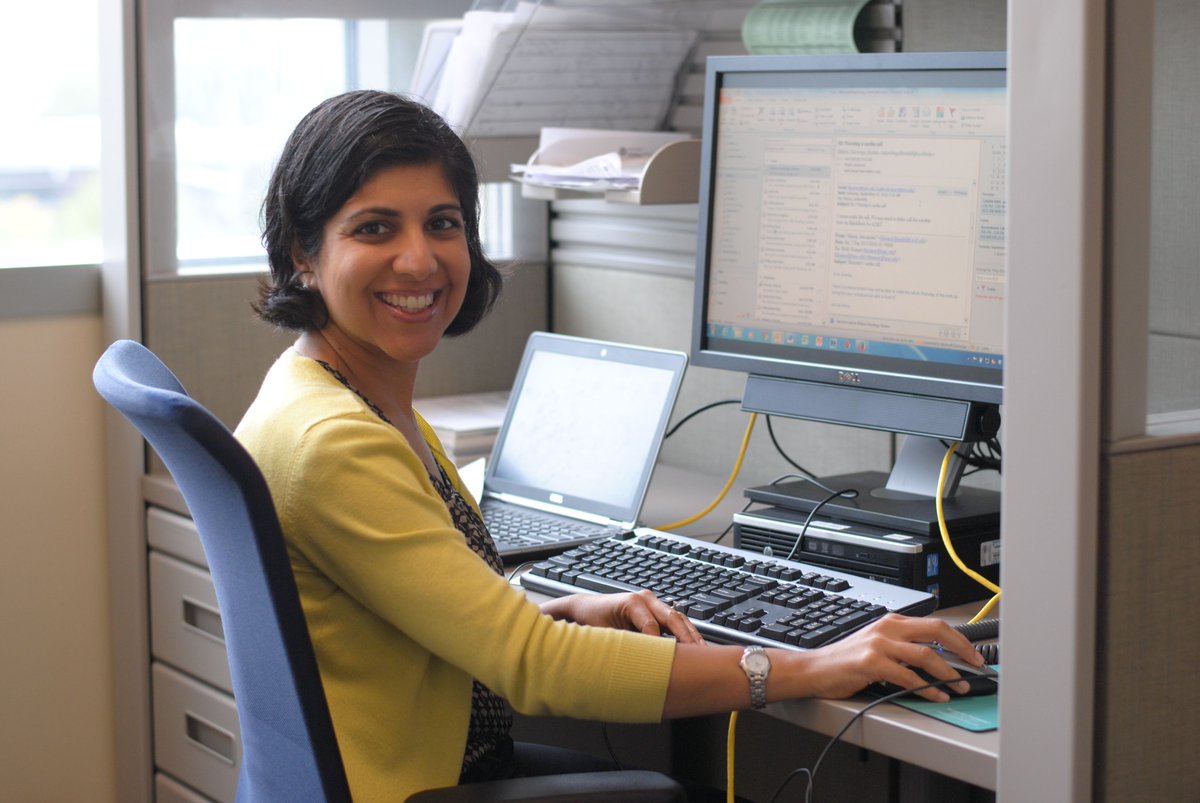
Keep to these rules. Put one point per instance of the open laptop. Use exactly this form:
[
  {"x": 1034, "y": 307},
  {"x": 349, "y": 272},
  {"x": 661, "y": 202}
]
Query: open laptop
[{"x": 580, "y": 437}]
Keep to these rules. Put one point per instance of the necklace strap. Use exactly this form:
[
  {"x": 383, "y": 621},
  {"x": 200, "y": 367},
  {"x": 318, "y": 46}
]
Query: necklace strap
[{"x": 339, "y": 376}]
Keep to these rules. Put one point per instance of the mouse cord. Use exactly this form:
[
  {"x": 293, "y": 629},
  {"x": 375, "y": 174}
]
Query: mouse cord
[
  {"x": 941, "y": 518},
  {"x": 812, "y": 774}
]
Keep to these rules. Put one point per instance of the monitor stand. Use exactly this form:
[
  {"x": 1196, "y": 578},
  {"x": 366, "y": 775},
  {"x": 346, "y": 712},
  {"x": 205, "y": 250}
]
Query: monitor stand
[{"x": 904, "y": 500}]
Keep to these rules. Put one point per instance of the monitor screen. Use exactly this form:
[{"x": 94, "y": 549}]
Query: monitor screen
[{"x": 852, "y": 236}]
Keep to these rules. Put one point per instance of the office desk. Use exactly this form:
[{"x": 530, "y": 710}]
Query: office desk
[{"x": 888, "y": 729}]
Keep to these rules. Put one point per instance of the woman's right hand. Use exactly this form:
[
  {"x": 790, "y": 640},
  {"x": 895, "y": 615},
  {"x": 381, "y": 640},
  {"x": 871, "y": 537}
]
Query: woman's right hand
[{"x": 887, "y": 651}]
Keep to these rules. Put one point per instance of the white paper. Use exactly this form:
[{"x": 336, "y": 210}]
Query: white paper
[
  {"x": 465, "y": 413},
  {"x": 592, "y": 159}
]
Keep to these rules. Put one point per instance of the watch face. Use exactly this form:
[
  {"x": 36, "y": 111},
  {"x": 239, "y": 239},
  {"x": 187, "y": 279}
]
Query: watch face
[{"x": 757, "y": 662}]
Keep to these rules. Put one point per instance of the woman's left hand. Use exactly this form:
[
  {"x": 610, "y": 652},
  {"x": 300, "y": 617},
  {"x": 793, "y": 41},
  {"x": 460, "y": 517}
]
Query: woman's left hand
[{"x": 638, "y": 610}]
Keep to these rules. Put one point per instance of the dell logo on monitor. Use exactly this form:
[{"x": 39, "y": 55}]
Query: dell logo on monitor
[{"x": 849, "y": 378}]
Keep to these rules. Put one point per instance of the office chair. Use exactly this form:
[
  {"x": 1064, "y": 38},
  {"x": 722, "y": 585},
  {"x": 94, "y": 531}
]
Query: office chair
[{"x": 289, "y": 748}]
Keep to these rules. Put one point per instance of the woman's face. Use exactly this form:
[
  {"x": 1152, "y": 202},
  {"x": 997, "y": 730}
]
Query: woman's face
[{"x": 393, "y": 266}]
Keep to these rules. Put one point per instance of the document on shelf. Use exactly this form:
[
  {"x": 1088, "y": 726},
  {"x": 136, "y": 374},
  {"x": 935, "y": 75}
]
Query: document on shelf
[
  {"x": 592, "y": 159},
  {"x": 511, "y": 73}
]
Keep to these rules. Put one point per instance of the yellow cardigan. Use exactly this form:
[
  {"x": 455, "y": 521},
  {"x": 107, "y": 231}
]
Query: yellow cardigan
[{"x": 402, "y": 613}]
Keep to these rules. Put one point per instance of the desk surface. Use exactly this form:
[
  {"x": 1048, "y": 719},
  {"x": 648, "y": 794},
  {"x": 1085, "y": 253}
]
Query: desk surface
[
  {"x": 888, "y": 729},
  {"x": 903, "y": 734}
]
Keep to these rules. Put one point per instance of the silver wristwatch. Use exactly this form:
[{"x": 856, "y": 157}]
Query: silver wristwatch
[{"x": 757, "y": 666}]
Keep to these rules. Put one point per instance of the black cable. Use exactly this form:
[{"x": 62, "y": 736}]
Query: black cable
[
  {"x": 849, "y": 493},
  {"x": 981, "y": 455},
  {"x": 783, "y": 454},
  {"x": 980, "y": 631},
  {"x": 697, "y": 412},
  {"x": 608, "y": 746},
  {"x": 812, "y": 774}
]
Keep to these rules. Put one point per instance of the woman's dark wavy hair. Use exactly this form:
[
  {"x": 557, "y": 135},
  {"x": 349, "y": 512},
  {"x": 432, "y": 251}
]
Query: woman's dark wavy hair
[{"x": 339, "y": 146}]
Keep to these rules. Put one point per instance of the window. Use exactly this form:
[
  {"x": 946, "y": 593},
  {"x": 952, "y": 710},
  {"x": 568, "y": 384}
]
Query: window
[
  {"x": 232, "y": 117},
  {"x": 222, "y": 93},
  {"x": 50, "y": 142}
]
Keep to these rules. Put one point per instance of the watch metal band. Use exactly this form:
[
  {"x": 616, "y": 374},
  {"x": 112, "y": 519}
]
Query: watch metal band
[{"x": 756, "y": 666}]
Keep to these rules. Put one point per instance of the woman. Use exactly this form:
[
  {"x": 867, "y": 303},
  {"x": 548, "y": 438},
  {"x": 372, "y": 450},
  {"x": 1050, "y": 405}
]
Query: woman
[{"x": 372, "y": 235}]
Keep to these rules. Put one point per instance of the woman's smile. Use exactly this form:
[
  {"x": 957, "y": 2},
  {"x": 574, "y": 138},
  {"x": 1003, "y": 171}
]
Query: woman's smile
[{"x": 408, "y": 303}]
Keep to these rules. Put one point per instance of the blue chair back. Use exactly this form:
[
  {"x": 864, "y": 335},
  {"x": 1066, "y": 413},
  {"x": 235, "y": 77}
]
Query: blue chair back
[{"x": 289, "y": 750}]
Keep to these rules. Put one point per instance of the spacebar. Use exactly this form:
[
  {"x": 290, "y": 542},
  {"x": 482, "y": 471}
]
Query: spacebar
[{"x": 605, "y": 585}]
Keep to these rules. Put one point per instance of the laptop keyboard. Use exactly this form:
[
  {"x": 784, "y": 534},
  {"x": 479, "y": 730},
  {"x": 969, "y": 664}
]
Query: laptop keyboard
[
  {"x": 731, "y": 595},
  {"x": 522, "y": 529}
]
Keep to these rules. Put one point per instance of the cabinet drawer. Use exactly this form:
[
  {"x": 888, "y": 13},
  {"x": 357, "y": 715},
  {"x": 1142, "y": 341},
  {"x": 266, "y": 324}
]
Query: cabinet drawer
[
  {"x": 174, "y": 534},
  {"x": 169, "y": 790},
  {"x": 185, "y": 625},
  {"x": 196, "y": 735}
]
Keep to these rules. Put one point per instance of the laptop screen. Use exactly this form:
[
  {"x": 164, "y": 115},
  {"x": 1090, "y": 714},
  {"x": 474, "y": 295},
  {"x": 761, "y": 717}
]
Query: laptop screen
[{"x": 585, "y": 423}]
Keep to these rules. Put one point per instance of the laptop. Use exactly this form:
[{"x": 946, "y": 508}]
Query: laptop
[{"x": 580, "y": 438}]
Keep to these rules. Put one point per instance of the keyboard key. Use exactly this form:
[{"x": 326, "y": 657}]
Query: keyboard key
[
  {"x": 815, "y": 638},
  {"x": 700, "y": 610},
  {"x": 607, "y": 585},
  {"x": 731, "y": 594},
  {"x": 776, "y": 630},
  {"x": 853, "y": 620}
]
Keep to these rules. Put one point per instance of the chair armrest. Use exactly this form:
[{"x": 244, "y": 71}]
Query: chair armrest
[{"x": 620, "y": 786}]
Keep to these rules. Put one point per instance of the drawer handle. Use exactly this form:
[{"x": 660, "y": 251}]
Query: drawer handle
[
  {"x": 209, "y": 737},
  {"x": 203, "y": 618}
]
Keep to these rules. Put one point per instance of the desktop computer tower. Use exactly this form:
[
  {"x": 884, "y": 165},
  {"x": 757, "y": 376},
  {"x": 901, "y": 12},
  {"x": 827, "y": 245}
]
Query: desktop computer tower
[{"x": 915, "y": 560}]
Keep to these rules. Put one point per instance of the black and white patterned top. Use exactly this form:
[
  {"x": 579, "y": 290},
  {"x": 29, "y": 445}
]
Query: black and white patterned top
[
  {"x": 488, "y": 741},
  {"x": 491, "y": 719}
]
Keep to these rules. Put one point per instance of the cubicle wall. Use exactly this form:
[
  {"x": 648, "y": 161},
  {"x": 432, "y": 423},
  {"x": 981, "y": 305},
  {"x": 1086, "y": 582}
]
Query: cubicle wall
[
  {"x": 1146, "y": 707},
  {"x": 1147, "y": 651}
]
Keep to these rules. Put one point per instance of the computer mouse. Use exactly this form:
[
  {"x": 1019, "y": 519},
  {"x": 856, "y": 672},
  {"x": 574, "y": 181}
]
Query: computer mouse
[{"x": 982, "y": 681}]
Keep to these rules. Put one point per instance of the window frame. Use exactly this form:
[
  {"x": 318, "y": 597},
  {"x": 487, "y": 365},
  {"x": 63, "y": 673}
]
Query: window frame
[{"x": 157, "y": 98}]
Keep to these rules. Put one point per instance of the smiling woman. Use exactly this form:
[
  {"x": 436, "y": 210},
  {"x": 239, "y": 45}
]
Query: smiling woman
[{"x": 422, "y": 644}]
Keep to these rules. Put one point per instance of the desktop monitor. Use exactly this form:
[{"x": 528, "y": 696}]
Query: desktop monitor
[{"x": 851, "y": 251}]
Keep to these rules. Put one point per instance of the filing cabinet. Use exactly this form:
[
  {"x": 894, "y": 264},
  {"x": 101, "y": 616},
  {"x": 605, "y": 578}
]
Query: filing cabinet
[
  {"x": 168, "y": 790},
  {"x": 197, "y": 743}
]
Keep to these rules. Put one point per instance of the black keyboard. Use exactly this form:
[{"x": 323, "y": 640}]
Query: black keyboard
[
  {"x": 732, "y": 595},
  {"x": 526, "y": 533}
]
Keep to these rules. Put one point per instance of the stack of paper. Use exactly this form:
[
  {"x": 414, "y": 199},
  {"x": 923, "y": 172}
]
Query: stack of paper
[
  {"x": 466, "y": 424},
  {"x": 590, "y": 159}
]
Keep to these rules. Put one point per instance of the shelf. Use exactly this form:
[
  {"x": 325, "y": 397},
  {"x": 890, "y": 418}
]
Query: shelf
[{"x": 671, "y": 176}]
